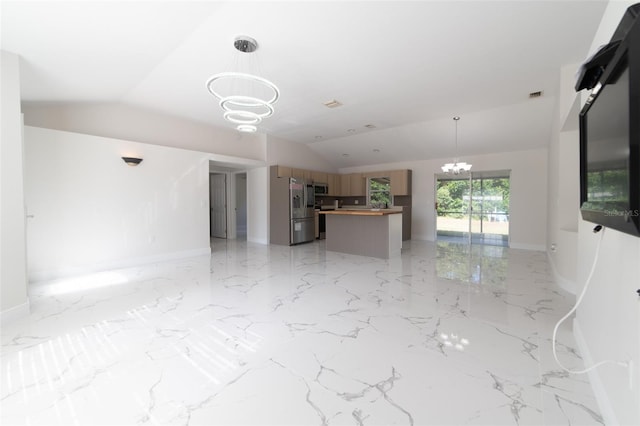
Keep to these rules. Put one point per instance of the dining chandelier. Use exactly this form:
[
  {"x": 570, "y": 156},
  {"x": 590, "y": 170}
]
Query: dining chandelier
[
  {"x": 456, "y": 167},
  {"x": 245, "y": 98}
]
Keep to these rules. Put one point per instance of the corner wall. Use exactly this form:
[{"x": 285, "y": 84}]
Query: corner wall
[{"x": 13, "y": 269}]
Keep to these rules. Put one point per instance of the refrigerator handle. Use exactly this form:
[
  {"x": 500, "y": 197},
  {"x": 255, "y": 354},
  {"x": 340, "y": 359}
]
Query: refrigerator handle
[
  {"x": 309, "y": 195},
  {"x": 305, "y": 201}
]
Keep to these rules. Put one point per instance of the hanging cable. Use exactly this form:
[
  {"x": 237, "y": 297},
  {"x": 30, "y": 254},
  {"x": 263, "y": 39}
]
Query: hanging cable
[{"x": 600, "y": 229}]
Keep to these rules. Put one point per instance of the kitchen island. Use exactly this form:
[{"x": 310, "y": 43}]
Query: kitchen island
[{"x": 366, "y": 232}]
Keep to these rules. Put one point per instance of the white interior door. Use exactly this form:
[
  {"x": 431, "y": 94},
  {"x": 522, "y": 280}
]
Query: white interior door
[{"x": 218, "y": 204}]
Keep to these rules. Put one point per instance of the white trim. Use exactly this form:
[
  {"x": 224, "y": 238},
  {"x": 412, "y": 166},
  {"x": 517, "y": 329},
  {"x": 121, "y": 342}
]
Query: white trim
[
  {"x": 15, "y": 313},
  {"x": 608, "y": 415},
  {"x": 565, "y": 284},
  {"x": 51, "y": 274},
  {"x": 522, "y": 246}
]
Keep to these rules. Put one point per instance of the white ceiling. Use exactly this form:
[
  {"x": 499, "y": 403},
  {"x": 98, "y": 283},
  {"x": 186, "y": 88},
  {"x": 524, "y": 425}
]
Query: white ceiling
[{"x": 407, "y": 67}]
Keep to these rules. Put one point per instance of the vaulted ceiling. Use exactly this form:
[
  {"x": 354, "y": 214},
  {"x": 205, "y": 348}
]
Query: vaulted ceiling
[{"x": 404, "y": 68}]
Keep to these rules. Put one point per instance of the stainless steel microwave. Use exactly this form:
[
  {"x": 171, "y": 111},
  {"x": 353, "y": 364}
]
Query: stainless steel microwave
[{"x": 320, "y": 188}]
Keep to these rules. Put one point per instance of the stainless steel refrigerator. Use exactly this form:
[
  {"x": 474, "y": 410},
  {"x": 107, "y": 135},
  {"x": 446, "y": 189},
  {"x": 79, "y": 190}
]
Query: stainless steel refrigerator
[{"x": 301, "y": 211}]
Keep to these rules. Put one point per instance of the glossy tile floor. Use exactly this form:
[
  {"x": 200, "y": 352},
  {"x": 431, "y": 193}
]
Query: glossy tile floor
[{"x": 269, "y": 335}]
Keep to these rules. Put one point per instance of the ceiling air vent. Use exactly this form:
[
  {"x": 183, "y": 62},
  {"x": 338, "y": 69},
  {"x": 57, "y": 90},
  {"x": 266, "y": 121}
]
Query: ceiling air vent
[
  {"x": 332, "y": 104},
  {"x": 535, "y": 94}
]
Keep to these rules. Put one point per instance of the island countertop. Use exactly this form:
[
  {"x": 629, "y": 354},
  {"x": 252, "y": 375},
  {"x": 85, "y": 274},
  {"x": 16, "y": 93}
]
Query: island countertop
[{"x": 361, "y": 212}]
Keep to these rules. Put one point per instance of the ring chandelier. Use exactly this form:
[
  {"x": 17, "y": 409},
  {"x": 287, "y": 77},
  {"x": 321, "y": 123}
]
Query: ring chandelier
[{"x": 245, "y": 110}]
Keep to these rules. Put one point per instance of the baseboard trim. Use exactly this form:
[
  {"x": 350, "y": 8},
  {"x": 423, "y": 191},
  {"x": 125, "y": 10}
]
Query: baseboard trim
[
  {"x": 52, "y": 274},
  {"x": 602, "y": 399},
  {"x": 15, "y": 313},
  {"x": 563, "y": 283}
]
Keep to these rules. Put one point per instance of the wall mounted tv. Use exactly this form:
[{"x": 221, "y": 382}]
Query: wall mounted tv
[{"x": 610, "y": 136}]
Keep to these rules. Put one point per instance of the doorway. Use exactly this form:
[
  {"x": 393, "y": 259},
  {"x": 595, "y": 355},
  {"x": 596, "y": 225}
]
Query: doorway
[
  {"x": 218, "y": 205},
  {"x": 241, "y": 205},
  {"x": 473, "y": 209}
]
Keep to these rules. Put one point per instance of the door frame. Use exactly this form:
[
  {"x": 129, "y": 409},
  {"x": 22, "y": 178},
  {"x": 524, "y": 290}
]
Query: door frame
[{"x": 231, "y": 193}]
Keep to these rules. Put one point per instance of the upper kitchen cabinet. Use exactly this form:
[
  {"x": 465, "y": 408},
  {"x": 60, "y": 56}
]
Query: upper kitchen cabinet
[
  {"x": 284, "y": 171},
  {"x": 345, "y": 185},
  {"x": 376, "y": 174},
  {"x": 358, "y": 187},
  {"x": 353, "y": 185},
  {"x": 297, "y": 173},
  {"x": 400, "y": 182},
  {"x": 319, "y": 177},
  {"x": 333, "y": 181},
  {"x": 301, "y": 174}
]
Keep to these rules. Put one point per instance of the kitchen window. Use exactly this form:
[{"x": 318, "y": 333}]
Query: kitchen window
[{"x": 379, "y": 192}]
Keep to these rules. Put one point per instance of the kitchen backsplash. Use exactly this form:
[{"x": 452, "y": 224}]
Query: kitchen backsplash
[
  {"x": 350, "y": 201},
  {"x": 327, "y": 200}
]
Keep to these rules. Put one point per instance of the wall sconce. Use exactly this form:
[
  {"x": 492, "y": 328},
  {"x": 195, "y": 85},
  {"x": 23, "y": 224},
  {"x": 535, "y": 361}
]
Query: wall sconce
[{"x": 132, "y": 161}]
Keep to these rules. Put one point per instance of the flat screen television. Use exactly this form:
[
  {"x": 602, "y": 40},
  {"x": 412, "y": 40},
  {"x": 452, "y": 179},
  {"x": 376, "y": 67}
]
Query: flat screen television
[{"x": 610, "y": 141}]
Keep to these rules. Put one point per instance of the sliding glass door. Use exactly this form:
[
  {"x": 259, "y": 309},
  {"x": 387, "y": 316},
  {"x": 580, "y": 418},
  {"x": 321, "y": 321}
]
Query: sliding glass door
[
  {"x": 474, "y": 208},
  {"x": 452, "y": 208}
]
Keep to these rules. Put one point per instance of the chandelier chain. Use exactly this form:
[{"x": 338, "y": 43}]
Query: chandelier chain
[
  {"x": 245, "y": 98},
  {"x": 456, "y": 167}
]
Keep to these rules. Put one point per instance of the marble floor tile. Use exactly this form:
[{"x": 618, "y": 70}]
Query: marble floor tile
[{"x": 447, "y": 334}]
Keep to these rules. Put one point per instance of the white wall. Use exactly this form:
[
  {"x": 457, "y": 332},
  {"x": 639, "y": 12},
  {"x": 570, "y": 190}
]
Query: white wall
[
  {"x": 13, "y": 278},
  {"x": 528, "y": 202},
  {"x": 607, "y": 324},
  {"x": 93, "y": 212},
  {"x": 121, "y": 122},
  {"x": 258, "y": 204},
  {"x": 126, "y": 122},
  {"x": 564, "y": 202},
  {"x": 564, "y": 185},
  {"x": 285, "y": 153}
]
